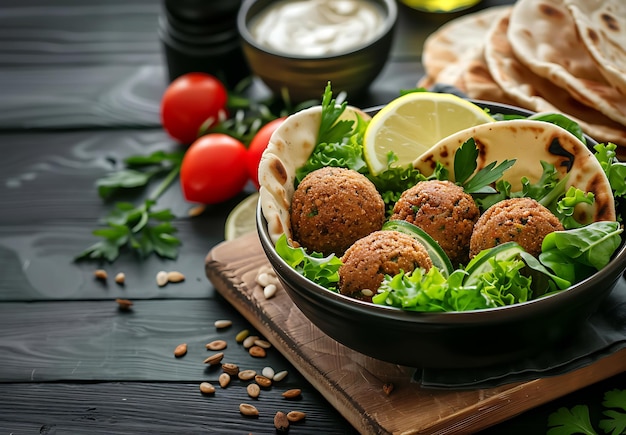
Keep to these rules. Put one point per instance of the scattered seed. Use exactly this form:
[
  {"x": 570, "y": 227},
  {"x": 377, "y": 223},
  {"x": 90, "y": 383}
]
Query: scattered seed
[
  {"x": 248, "y": 410},
  {"x": 124, "y": 304},
  {"x": 242, "y": 335},
  {"x": 268, "y": 372},
  {"x": 294, "y": 416},
  {"x": 120, "y": 278},
  {"x": 262, "y": 343},
  {"x": 292, "y": 394},
  {"x": 269, "y": 291},
  {"x": 246, "y": 375},
  {"x": 230, "y": 368},
  {"x": 367, "y": 292},
  {"x": 281, "y": 422},
  {"x": 214, "y": 359},
  {"x": 207, "y": 388},
  {"x": 263, "y": 279},
  {"x": 100, "y": 274},
  {"x": 196, "y": 211},
  {"x": 257, "y": 352},
  {"x": 180, "y": 350},
  {"x": 388, "y": 388},
  {"x": 263, "y": 381},
  {"x": 224, "y": 380},
  {"x": 161, "y": 278},
  {"x": 280, "y": 376},
  {"x": 221, "y": 324},
  {"x": 249, "y": 341},
  {"x": 217, "y": 345},
  {"x": 175, "y": 276},
  {"x": 253, "y": 390}
]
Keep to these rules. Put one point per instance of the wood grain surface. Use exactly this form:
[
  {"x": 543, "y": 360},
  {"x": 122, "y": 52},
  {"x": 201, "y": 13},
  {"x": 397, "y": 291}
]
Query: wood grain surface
[
  {"x": 80, "y": 88},
  {"x": 353, "y": 382}
]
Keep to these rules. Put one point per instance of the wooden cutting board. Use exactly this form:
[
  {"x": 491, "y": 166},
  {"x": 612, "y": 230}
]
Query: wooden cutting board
[{"x": 353, "y": 383}]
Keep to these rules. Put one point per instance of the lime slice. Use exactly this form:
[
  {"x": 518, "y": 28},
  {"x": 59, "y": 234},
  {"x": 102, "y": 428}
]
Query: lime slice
[
  {"x": 437, "y": 255},
  {"x": 242, "y": 219},
  {"x": 411, "y": 124}
]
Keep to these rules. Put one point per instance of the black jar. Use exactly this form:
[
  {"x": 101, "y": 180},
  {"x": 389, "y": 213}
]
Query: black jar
[{"x": 202, "y": 36}]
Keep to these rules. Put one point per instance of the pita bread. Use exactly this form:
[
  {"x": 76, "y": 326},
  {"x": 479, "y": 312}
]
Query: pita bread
[
  {"x": 289, "y": 148},
  {"x": 458, "y": 40},
  {"x": 550, "y": 47},
  {"x": 601, "y": 25},
  {"x": 539, "y": 94},
  {"x": 530, "y": 142}
]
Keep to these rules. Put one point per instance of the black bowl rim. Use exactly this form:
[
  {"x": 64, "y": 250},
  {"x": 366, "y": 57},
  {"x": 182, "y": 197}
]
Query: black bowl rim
[
  {"x": 389, "y": 23},
  {"x": 615, "y": 267}
]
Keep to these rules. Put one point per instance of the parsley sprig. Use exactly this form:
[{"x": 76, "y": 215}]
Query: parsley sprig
[{"x": 141, "y": 229}]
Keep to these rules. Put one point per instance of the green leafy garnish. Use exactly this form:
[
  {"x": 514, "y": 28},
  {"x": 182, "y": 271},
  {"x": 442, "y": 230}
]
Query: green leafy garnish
[
  {"x": 614, "y": 169},
  {"x": 139, "y": 228},
  {"x": 615, "y": 424},
  {"x": 570, "y": 421},
  {"x": 332, "y": 129},
  {"x": 319, "y": 269},
  {"x": 562, "y": 121},
  {"x": 465, "y": 164}
]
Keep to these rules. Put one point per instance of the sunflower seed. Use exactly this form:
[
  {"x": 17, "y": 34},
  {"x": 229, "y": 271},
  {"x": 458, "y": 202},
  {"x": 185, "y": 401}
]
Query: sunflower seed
[
  {"x": 248, "y": 410},
  {"x": 207, "y": 388},
  {"x": 120, "y": 278},
  {"x": 180, "y": 350},
  {"x": 249, "y": 341},
  {"x": 263, "y": 381},
  {"x": 280, "y": 376},
  {"x": 230, "y": 368},
  {"x": 100, "y": 274},
  {"x": 292, "y": 394},
  {"x": 257, "y": 352},
  {"x": 246, "y": 375},
  {"x": 224, "y": 380},
  {"x": 221, "y": 324},
  {"x": 161, "y": 278},
  {"x": 124, "y": 304},
  {"x": 242, "y": 335},
  {"x": 262, "y": 343},
  {"x": 294, "y": 416},
  {"x": 216, "y": 345},
  {"x": 270, "y": 291},
  {"x": 214, "y": 359},
  {"x": 253, "y": 390},
  {"x": 268, "y": 372},
  {"x": 175, "y": 276}
]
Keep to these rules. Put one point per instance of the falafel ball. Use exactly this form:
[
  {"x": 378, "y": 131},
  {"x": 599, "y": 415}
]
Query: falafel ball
[
  {"x": 369, "y": 259},
  {"x": 334, "y": 207},
  {"x": 521, "y": 220},
  {"x": 444, "y": 211}
]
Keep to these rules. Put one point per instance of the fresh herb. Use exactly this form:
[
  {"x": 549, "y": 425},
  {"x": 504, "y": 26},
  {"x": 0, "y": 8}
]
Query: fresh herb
[
  {"x": 571, "y": 421},
  {"x": 614, "y": 169},
  {"x": 332, "y": 129},
  {"x": 465, "y": 163},
  {"x": 319, "y": 269},
  {"x": 140, "y": 228},
  {"x": 615, "y": 423},
  {"x": 566, "y": 421}
]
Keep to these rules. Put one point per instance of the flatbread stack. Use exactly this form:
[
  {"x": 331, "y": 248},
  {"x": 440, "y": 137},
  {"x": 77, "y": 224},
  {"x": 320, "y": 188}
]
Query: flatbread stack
[{"x": 565, "y": 56}]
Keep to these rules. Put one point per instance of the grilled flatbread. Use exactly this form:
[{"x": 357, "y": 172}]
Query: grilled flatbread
[
  {"x": 543, "y": 36},
  {"x": 539, "y": 94},
  {"x": 289, "y": 148},
  {"x": 601, "y": 25},
  {"x": 530, "y": 142}
]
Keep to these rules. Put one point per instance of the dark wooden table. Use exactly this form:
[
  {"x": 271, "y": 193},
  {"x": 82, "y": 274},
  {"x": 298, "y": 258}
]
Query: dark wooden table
[{"x": 80, "y": 84}]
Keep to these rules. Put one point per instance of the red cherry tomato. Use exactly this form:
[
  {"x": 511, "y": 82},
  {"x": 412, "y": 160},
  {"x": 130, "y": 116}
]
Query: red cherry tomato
[
  {"x": 189, "y": 101},
  {"x": 213, "y": 169},
  {"x": 257, "y": 146}
]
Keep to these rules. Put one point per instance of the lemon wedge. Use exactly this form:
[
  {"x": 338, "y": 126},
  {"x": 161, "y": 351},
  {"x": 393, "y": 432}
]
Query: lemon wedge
[
  {"x": 242, "y": 219},
  {"x": 411, "y": 124}
]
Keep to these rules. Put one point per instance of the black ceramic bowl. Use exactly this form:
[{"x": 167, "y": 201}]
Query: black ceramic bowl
[
  {"x": 447, "y": 340},
  {"x": 304, "y": 76}
]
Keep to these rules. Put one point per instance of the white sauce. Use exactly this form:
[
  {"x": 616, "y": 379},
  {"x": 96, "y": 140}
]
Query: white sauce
[{"x": 317, "y": 27}]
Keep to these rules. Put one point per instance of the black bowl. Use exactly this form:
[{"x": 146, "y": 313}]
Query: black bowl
[{"x": 447, "y": 340}]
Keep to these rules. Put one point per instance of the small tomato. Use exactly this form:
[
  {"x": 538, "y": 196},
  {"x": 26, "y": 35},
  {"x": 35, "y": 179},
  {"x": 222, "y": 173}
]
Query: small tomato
[
  {"x": 189, "y": 101},
  {"x": 257, "y": 146},
  {"x": 213, "y": 169}
]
